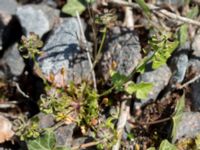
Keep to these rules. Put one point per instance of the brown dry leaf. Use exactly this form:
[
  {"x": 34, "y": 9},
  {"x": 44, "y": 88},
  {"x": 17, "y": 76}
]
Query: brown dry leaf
[{"x": 6, "y": 132}]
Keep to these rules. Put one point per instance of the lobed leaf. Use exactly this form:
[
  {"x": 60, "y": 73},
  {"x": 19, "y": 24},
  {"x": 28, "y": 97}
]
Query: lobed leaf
[
  {"x": 165, "y": 145},
  {"x": 45, "y": 142},
  {"x": 141, "y": 89}
]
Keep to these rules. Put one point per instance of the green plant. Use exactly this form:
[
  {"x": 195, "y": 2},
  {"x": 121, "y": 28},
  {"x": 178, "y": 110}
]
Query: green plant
[
  {"x": 27, "y": 129},
  {"x": 30, "y": 46},
  {"x": 162, "y": 48},
  {"x": 79, "y": 103}
]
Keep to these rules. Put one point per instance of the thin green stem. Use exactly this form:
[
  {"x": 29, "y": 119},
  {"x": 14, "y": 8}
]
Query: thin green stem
[{"x": 101, "y": 47}]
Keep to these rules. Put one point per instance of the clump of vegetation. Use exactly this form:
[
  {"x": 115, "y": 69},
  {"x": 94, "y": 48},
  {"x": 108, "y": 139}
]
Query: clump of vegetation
[
  {"x": 30, "y": 46},
  {"x": 76, "y": 104},
  {"x": 81, "y": 104}
]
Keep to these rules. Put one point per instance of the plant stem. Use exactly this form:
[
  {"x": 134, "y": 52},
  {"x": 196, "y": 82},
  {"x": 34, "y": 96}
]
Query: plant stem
[{"x": 100, "y": 48}]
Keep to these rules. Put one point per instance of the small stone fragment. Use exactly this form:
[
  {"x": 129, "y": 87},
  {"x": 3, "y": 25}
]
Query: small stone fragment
[
  {"x": 196, "y": 45},
  {"x": 179, "y": 63},
  {"x": 14, "y": 60},
  {"x": 37, "y": 18},
  {"x": 45, "y": 120},
  {"x": 64, "y": 135},
  {"x": 188, "y": 127}
]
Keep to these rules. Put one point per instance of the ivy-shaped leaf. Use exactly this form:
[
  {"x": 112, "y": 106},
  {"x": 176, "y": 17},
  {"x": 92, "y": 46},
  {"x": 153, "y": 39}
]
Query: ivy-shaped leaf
[
  {"x": 165, "y": 145},
  {"x": 118, "y": 80},
  {"x": 76, "y": 5},
  {"x": 141, "y": 89},
  {"x": 180, "y": 106},
  {"x": 45, "y": 142}
]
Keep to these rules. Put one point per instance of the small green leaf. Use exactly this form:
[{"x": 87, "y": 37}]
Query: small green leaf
[
  {"x": 118, "y": 80},
  {"x": 76, "y": 5},
  {"x": 45, "y": 142},
  {"x": 165, "y": 145},
  {"x": 144, "y": 7},
  {"x": 180, "y": 106},
  {"x": 131, "y": 88},
  {"x": 141, "y": 89},
  {"x": 72, "y": 6}
]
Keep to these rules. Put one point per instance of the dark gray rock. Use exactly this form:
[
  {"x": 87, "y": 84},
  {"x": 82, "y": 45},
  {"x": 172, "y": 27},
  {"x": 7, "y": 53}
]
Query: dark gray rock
[
  {"x": 123, "y": 48},
  {"x": 179, "y": 64},
  {"x": 64, "y": 135},
  {"x": 11, "y": 64},
  {"x": 194, "y": 64},
  {"x": 159, "y": 77},
  {"x": 188, "y": 127},
  {"x": 8, "y": 6},
  {"x": 62, "y": 51},
  {"x": 37, "y": 18},
  {"x": 45, "y": 120},
  {"x": 195, "y": 94}
]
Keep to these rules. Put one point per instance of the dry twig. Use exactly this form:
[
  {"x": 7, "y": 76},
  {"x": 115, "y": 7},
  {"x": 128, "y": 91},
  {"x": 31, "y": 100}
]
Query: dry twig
[
  {"x": 123, "y": 117},
  {"x": 157, "y": 10},
  {"x": 20, "y": 91},
  {"x": 189, "y": 82},
  {"x": 87, "y": 51}
]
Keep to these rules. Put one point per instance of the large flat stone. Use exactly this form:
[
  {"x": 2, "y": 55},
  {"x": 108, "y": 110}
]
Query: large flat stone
[{"x": 63, "y": 51}]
